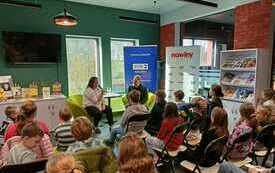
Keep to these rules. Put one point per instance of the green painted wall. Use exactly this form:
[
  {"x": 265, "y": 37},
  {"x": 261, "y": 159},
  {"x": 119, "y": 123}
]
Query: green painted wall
[{"x": 93, "y": 21}]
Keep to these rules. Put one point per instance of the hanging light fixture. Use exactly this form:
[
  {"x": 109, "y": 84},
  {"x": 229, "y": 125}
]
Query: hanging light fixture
[{"x": 65, "y": 19}]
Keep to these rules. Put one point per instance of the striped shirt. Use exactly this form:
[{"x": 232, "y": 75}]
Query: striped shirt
[{"x": 63, "y": 136}]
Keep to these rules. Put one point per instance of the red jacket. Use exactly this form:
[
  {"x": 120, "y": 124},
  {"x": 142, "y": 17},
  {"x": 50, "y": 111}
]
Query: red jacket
[{"x": 166, "y": 130}]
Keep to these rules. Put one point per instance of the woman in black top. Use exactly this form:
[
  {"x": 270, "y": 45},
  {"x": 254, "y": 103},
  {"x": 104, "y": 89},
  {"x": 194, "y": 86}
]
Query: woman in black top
[
  {"x": 138, "y": 86},
  {"x": 218, "y": 128}
]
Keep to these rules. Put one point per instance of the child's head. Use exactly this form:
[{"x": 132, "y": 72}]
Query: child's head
[
  {"x": 63, "y": 163},
  {"x": 160, "y": 96},
  {"x": 65, "y": 115},
  {"x": 216, "y": 91},
  {"x": 246, "y": 111},
  {"x": 133, "y": 155},
  {"x": 28, "y": 109},
  {"x": 219, "y": 120},
  {"x": 179, "y": 95},
  {"x": 11, "y": 112},
  {"x": 268, "y": 94},
  {"x": 31, "y": 135},
  {"x": 134, "y": 96},
  {"x": 200, "y": 104},
  {"x": 82, "y": 128},
  {"x": 170, "y": 110},
  {"x": 263, "y": 113}
]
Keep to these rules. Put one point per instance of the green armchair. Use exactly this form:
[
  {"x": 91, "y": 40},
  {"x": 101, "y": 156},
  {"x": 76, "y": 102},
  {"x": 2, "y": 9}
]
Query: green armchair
[
  {"x": 150, "y": 102},
  {"x": 98, "y": 160},
  {"x": 76, "y": 106}
]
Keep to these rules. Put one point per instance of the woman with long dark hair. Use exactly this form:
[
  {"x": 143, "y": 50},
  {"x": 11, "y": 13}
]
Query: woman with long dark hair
[{"x": 93, "y": 102}]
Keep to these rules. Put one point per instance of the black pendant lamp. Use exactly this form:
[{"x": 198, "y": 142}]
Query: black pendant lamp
[{"x": 65, "y": 19}]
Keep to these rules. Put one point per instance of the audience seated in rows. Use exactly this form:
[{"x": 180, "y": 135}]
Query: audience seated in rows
[
  {"x": 134, "y": 108},
  {"x": 218, "y": 128}
]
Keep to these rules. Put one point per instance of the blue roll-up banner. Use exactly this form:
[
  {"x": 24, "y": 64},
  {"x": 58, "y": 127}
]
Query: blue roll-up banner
[{"x": 141, "y": 61}]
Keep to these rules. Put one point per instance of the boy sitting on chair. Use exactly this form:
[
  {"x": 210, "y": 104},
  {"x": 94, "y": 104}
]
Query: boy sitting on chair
[{"x": 134, "y": 108}]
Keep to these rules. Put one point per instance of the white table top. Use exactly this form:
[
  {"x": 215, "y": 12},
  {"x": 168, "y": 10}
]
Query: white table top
[{"x": 111, "y": 95}]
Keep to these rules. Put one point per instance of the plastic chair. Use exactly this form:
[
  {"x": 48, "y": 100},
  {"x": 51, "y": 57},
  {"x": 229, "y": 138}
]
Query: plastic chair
[
  {"x": 98, "y": 159},
  {"x": 211, "y": 156},
  {"x": 137, "y": 123},
  {"x": 149, "y": 103},
  {"x": 30, "y": 167},
  {"x": 76, "y": 107}
]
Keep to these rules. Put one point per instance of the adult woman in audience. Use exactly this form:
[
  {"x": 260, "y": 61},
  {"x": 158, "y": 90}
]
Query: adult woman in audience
[
  {"x": 28, "y": 110},
  {"x": 240, "y": 151},
  {"x": 93, "y": 102},
  {"x": 215, "y": 95},
  {"x": 268, "y": 99},
  {"x": 63, "y": 163},
  {"x": 157, "y": 112},
  {"x": 83, "y": 132},
  {"x": 133, "y": 156},
  {"x": 43, "y": 150},
  {"x": 171, "y": 120},
  {"x": 134, "y": 108},
  {"x": 142, "y": 89},
  {"x": 218, "y": 128}
]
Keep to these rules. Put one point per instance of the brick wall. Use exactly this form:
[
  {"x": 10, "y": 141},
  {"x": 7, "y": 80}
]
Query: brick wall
[
  {"x": 253, "y": 25},
  {"x": 167, "y": 38}
]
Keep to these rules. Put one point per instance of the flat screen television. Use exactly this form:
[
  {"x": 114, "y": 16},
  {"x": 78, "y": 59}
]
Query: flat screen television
[{"x": 26, "y": 48}]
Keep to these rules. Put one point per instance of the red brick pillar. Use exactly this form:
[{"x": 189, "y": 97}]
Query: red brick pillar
[
  {"x": 167, "y": 39},
  {"x": 253, "y": 25}
]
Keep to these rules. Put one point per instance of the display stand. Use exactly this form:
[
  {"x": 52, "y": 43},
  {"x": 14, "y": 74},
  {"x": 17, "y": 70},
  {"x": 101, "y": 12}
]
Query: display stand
[{"x": 244, "y": 74}]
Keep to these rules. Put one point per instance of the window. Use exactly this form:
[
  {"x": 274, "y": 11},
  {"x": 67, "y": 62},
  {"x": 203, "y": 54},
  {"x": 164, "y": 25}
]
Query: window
[
  {"x": 117, "y": 62},
  {"x": 207, "y": 46},
  {"x": 83, "y": 59}
]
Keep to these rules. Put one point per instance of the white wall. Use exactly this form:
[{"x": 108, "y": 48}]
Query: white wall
[{"x": 192, "y": 11}]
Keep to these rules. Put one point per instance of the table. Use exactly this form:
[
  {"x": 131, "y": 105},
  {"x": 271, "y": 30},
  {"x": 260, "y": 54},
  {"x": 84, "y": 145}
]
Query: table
[{"x": 109, "y": 96}]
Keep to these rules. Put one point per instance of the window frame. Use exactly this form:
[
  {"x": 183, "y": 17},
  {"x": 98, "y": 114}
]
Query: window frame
[
  {"x": 136, "y": 43},
  {"x": 213, "y": 60},
  {"x": 99, "y": 52}
]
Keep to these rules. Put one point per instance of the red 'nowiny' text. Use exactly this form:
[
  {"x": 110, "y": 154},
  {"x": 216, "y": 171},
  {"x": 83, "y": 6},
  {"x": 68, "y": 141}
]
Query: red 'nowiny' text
[{"x": 184, "y": 55}]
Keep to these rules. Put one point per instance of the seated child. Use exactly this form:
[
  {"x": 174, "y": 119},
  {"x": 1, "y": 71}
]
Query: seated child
[
  {"x": 22, "y": 152},
  {"x": 171, "y": 120},
  {"x": 64, "y": 163},
  {"x": 43, "y": 150},
  {"x": 179, "y": 95},
  {"x": 156, "y": 113},
  {"x": 241, "y": 151},
  {"x": 11, "y": 114},
  {"x": 133, "y": 108},
  {"x": 62, "y": 133},
  {"x": 83, "y": 131}
]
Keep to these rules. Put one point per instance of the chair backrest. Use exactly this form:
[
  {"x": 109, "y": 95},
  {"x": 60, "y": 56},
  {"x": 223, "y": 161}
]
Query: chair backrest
[
  {"x": 213, "y": 151},
  {"x": 267, "y": 136},
  {"x": 77, "y": 110},
  {"x": 31, "y": 167},
  {"x": 77, "y": 99},
  {"x": 99, "y": 159},
  {"x": 137, "y": 123},
  {"x": 241, "y": 140}
]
